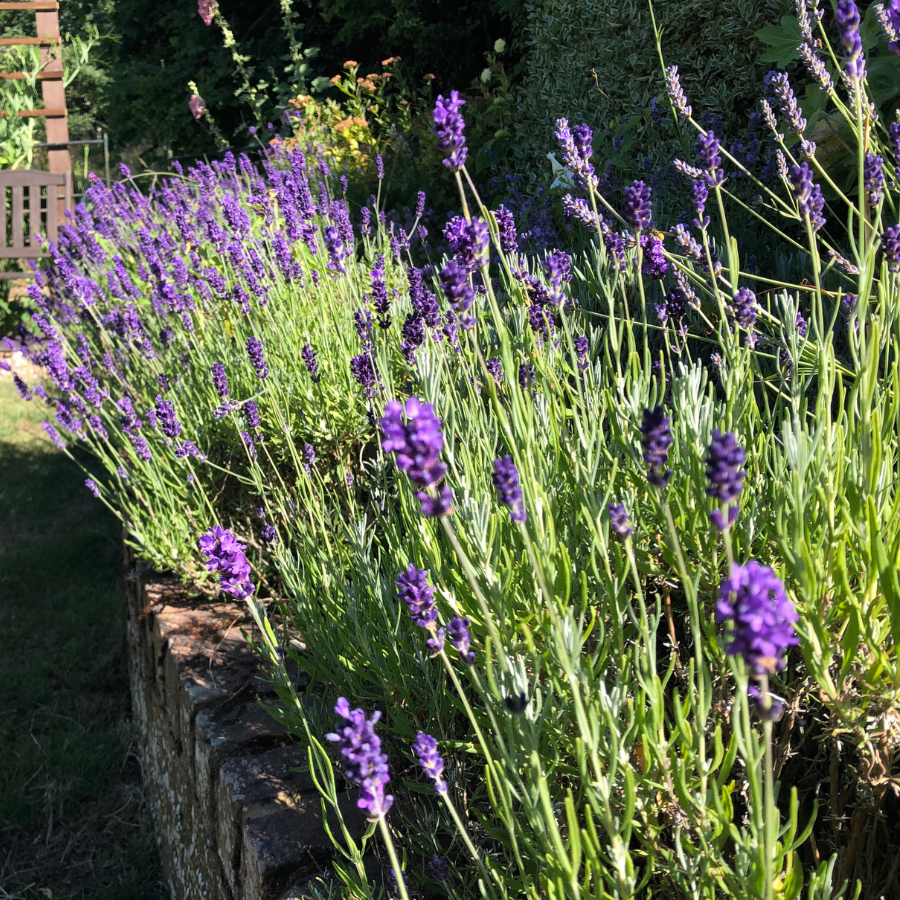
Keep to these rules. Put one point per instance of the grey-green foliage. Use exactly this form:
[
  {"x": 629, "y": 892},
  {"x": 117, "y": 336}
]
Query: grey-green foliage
[{"x": 595, "y": 61}]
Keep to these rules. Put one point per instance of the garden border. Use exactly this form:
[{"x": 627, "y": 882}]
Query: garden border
[{"x": 234, "y": 818}]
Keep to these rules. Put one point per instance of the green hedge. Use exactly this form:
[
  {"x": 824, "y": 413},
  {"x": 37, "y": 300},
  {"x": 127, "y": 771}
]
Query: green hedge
[{"x": 712, "y": 41}]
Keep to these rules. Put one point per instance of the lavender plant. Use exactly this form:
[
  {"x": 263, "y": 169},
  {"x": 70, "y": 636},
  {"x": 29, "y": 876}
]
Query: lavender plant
[{"x": 606, "y": 546}]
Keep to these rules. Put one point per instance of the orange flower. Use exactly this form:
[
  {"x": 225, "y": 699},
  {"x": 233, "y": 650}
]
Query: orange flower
[
  {"x": 335, "y": 80},
  {"x": 390, "y": 60},
  {"x": 351, "y": 64},
  {"x": 386, "y": 75},
  {"x": 367, "y": 83},
  {"x": 430, "y": 77}
]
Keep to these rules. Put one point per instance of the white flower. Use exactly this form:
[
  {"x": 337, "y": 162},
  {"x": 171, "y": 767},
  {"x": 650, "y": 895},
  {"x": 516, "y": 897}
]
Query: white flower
[
  {"x": 486, "y": 76},
  {"x": 499, "y": 45}
]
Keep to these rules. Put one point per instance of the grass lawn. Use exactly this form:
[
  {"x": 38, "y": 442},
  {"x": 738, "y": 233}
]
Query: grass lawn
[{"x": 73, "y": 817}]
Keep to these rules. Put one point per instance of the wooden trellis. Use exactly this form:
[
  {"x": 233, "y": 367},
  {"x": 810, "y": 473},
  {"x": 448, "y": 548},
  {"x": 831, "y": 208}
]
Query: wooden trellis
[{"x": 14, "y": 240}]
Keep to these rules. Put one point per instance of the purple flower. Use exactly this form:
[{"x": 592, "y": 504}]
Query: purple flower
[
  {"x": 455, "y": 282},
  {"x": 458, "y": 630},
  {"x": 436, "y": 642},
  {"x": 168, "y": 421},
  {"x": 581, "y": 211},
  {"x": 417, "y": 442},
  {"x": 847, "y": 16},
  {"x": 582, "y": 345},
  {"x": 637, "y": 205},
  {"x": 434, "y": 507},
  {"x": 506, "y": 229},
  {"x": 364, "y": 762},
  {"x": 248, "y": 442},
  {"x": 575, "y": 145},
  {"x": 380, "y": 300},
  {"x": 188, "y": 448},
  {"x": 448, "y": 126},
  {"x": 225, "y": 555},
  {"x": 469, "y": 241},
  {"x": 618, "y": 518},
  {"x": 334, "y": 245},
  {"x": 654, "y": 264},
  {"x": 251, "y": 413},
  {"x": 506, "y": 483},
  {"x": 744, "y": 308},
  {"x": 890, "y": 247},
  {"x": 725, "y": 476},
  {"x": 269, "y": 533},
  {"x": 767, "y": 707},
  {"x": 92, "y": 486},
  {"x": 415, "y": 591},
  {"x": 365, "y": 373},
  {"x": 495, "y": 368},
  {"x": 413, "y": 333},
  {"x": 21, "y": 387},
  {"x": 439, "y": 868},
  {"x": 220, "y": 382},
  {"x": 754, "y": 600},
  {"x": 873, "y": 178},
  {"x": 656, "y": 439},
  {"x": 710, "y": 159},
  {"x": 780, "y": 86},
  {"x": 676, "y": 94},
  {"x": 526, "y": 375},
  {"x": 53, "y": 434},
  {"x": 420, "y": 204},
  {"x": 426, "y": 749},
  {"x": 379, "y": 167},
  {"x": 311, "y": 363},
  {"x": 257, "y": 360}
]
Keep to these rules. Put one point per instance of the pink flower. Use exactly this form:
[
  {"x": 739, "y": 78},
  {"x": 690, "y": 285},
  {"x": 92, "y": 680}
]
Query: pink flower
[
  {"x": 206, "y": 9},
  {"x": 197, "y": 105}
]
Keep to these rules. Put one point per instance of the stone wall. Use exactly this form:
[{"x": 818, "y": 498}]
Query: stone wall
[{"x": 234, "y": 821}]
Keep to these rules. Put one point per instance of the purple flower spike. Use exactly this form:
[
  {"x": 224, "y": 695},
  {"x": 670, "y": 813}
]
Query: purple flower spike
[
  {"x": 744, "y": 308},
  {"x": 461, "y": 639},
  {"x": 847, "y": 17},
  {"x": 168, "y": 421},
  {"x": 710, "y": 158},
  {"x": 21, "y": 387},
  {"x": 439, "y": 868},
  {"x": 415, "y": 591},
  {"x": 762, "y": 616},
  {"x": 220, "y": 382},
  {"x": 92, "y": 486},
  {"x": 311, "y": 363},
  {"x": 575, "y": 145},
  {"x": 449, "y": 126},
  {"x": 257, "y": 360},
  {"x": 656, "y": 439},
  {"x": 582, "y": 345},
  {"x": 53, "y": 434},
  {"x": 637, "y": 205},
  {"x": 676, "y": 94},
  {"x": 725, "y": 475},
  {"x": 225, "y": 555},
  {"x": 364, "y": 762},
  {"x": 506, "y": 229},
  {"x": 455, "y": 282},
  {"x": 618, "y": 518},
  {"x": 417, "y": 443},
  {"x": 506, "y": 482},
  {"x": 890, "y": 248},
  {"x": 436, "y": 643},
  {"x": 426, "y": 749},
  {"x": 873, "y": 178}
]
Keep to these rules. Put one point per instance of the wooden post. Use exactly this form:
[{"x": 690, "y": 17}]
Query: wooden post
[{"x": 54, "y": 94}]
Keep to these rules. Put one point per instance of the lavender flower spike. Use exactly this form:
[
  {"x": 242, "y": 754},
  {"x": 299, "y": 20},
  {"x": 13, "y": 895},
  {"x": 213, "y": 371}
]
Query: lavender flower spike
[
  {"x": 762, "y": 616},
  {"x": 656, "y": 439},
  {"x": 448, "y": 126},
  {"x": 461, "y": 639},
  {"x": 848, "y": 21},
  {"x": 415, "y": 591},
  {"x": 257, "y": 360},
  {"x": 676, "y": 94},
  {"x": 426, "y": 749},
  {"x": 364, "y": 762},
  {"x": 506, "y": 481},
  {"x": 618, "y": 518},
  {"x": 311, "y": 363},
  {"x": 225, "y": 555},
  {"x": 725, "y": 475},
  {"x": 808, "y": 195},
  {"x": 637, "y": 205}
]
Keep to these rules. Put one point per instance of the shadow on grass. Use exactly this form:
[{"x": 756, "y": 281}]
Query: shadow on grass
[{"x": 73, "y": 816}]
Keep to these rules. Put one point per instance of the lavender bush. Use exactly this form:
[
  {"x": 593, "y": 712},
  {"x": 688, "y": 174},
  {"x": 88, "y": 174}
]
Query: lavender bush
[{"x": 606, "y": 546}]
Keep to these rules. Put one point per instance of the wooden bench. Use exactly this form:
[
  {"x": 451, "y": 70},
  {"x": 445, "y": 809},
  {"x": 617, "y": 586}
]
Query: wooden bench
[{"x": 30, "y": 201}]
